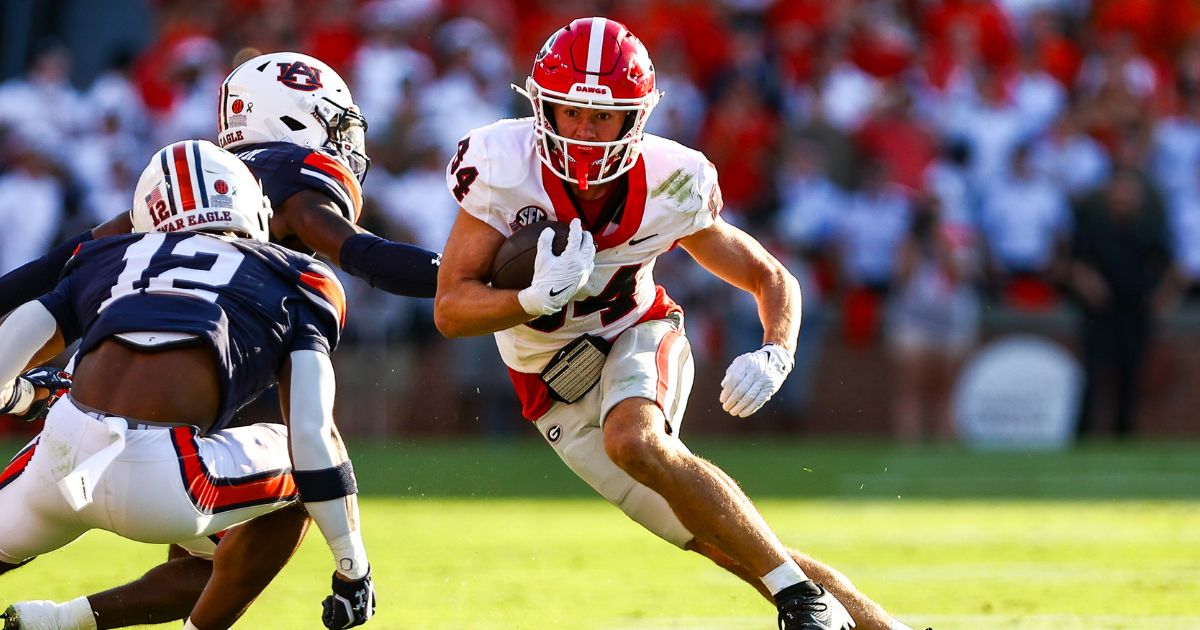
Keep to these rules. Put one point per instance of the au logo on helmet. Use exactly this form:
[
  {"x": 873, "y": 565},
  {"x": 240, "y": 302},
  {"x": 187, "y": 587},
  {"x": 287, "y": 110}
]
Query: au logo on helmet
[{"x": 299, "y": 76}]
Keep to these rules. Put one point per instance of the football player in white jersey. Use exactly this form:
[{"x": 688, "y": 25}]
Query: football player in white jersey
[{"x": 595, "y": 349}]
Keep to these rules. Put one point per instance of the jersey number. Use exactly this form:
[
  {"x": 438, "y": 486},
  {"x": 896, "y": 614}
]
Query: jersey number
[
  {"x": 141, "y": 253},
  {"x": 613, "y": 303},
  {"x": 466, "y": 175}
]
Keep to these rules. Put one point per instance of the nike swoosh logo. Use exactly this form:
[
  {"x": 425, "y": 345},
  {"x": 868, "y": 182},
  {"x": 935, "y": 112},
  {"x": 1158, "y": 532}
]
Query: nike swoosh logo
[
  {"x": 554, "y": 293},
  {"x": 635, "y": 241}
]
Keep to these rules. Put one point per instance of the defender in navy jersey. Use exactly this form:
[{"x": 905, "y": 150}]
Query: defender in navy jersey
[
  {"x": 250, "y": 303},
  {"x": 292, "y": 120},
  {"x": 177, "y": 330}
]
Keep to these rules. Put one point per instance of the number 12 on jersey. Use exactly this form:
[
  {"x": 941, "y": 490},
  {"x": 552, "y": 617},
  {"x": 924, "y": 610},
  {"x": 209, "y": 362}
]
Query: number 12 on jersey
[{"x": 176, "y": 266}]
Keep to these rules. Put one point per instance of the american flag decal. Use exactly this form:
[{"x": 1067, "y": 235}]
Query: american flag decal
[{"x": 154, "y": 197}]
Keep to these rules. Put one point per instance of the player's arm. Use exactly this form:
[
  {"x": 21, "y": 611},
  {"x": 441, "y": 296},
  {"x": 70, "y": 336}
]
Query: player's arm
[
  {"x": 465, "y": 305},
  {"x": 738, "y": 259},
  {"x": 397, "y": 268},
  {"x": 325, "y": 479},
  {"x": 40, "y": 274},
  {"x": 29, "y": 336}
]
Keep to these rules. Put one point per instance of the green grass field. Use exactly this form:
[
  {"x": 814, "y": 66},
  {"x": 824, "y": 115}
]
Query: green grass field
[{"x": 491, "y": 536}]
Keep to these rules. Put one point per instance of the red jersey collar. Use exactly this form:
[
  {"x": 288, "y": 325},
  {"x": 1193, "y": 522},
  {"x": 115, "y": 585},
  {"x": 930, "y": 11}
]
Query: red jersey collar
[{"x": 631, "y": 216}]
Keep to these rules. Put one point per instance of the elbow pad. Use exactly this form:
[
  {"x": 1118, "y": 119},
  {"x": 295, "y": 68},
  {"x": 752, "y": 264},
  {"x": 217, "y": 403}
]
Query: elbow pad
[
  {"x": 397, "y": 268},
  {"x": 315, "y": 443},
  {"x": 25, "y": 331},
  {"x": 320, "y": 468}
]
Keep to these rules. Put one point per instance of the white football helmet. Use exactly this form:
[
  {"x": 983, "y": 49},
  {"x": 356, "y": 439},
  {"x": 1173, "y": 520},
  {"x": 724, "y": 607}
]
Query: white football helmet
[
  {"x": 196, "y": 186},
  {"x": 290, "y": 97}
]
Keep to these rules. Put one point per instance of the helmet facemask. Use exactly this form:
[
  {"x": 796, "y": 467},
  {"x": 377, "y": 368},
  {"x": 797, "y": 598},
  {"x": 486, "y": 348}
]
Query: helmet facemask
[
  {"x": 346, "y": 129},
  {"x": 583, "y": 162}
]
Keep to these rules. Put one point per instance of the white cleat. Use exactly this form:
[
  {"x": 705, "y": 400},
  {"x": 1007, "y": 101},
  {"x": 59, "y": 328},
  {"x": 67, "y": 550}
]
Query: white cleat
[{"x": 41, "y": 614}]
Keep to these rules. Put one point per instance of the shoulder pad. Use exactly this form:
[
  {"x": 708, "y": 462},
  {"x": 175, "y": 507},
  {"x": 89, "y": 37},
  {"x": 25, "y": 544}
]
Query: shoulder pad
[
  {"x": 491, "y": 159},
  {"x": 507, "y": 143},
  {"x": 286, "y": 169},
  {"x": 683, "y": 177},
  {"x": 342, "y": 185},
  {"x": 322, "y": 288}
]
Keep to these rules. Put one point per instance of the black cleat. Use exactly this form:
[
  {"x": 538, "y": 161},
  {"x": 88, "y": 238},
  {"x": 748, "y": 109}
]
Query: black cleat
[
  {"x": 11, "y": 620},
  {"x": 808, "y": 606}
]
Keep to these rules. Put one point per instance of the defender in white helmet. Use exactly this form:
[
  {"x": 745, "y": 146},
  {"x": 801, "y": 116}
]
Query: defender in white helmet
[
  {"x": 294, "y": 98},
  {"x": 180, "y": 324},
  {"x": 292, "y": 120},
  {"x": 194, "y": 186}
]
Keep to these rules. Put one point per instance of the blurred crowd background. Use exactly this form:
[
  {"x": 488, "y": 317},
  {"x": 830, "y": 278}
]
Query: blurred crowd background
[{"x": 938, "y": 174}]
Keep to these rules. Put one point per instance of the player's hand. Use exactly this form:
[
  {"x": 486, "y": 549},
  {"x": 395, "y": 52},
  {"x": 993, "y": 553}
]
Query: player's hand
[
  {"x": 352, "y": 602},
  {"x": 556, "y": 278},
  {"x": 34, "y": 391},
  {"x": 753, "y": 378}
]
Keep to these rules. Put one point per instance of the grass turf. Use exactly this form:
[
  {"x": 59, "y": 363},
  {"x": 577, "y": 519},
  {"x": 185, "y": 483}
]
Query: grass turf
[{"x": 478, "y": 535}]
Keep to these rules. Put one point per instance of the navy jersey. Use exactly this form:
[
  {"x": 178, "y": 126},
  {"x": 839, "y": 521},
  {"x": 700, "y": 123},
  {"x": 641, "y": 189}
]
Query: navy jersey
[
  {"x": 286, "y": 169},
  {"x": 252, "y": 303}
]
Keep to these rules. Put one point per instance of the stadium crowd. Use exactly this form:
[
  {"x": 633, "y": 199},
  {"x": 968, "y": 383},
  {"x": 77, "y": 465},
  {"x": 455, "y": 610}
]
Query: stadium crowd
[{"x": 912, "y": 162}]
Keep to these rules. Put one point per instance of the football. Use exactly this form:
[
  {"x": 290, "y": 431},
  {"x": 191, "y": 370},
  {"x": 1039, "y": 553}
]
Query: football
[{"x": 512, "y": 268}]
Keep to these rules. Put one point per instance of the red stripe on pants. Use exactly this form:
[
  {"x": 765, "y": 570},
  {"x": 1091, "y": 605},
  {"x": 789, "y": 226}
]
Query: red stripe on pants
[{"x": 219, "y": 494}]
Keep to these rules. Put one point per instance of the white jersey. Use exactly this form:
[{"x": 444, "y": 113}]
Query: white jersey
[{"x": 497, "y": 178}]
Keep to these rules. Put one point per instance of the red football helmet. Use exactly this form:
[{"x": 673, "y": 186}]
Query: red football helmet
[{"x": 595, "y": 63}]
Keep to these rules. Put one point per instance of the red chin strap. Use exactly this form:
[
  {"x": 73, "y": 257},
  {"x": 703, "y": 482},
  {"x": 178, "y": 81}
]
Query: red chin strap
[
  {"x": 581, "y": 175},
  {"x": 583, "y": 158}
]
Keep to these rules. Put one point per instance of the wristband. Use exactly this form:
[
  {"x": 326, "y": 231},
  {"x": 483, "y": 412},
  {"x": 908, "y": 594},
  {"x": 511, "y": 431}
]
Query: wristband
[
  {"x": 17, "y": 396},
  {"x": 781, "y": 354},
  {"x": 532, "y": 302}
]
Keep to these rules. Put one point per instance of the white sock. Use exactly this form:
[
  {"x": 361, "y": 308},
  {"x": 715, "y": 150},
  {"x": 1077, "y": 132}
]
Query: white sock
[
  {"x": 188, "y": 625},
  {"x": 896, "y": 625},
  {"x": 77, "y": 614},
  {"x": 783, "y": 576}
]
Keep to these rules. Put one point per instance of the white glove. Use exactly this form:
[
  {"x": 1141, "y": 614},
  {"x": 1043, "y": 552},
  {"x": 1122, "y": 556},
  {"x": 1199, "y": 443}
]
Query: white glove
[
  {"x": 753, "y": 378},
  {"x": 556, "y": 279}
]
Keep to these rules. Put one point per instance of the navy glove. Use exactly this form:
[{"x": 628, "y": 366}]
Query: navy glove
[
  {"x": 57, "y": 381},
  {"x": 352, "y": 602}
]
